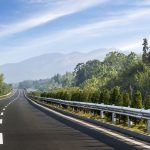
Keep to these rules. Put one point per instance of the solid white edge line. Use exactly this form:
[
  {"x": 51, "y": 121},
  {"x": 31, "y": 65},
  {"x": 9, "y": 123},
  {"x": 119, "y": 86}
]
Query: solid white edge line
[
  {"x": 121, "y": 137},
  {"x": 13, "y": 100},
  {"x": 1, "y": 138},
  {"x": 1, "y": 121}
]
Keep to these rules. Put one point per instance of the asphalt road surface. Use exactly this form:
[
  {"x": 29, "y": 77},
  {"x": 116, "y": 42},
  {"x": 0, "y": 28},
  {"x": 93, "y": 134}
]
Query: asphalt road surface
[{"x": 24, "y": 127}]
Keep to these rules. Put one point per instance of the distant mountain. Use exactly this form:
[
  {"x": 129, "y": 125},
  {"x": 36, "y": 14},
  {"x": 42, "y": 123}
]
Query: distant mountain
[{"x": 45, "y": 66}]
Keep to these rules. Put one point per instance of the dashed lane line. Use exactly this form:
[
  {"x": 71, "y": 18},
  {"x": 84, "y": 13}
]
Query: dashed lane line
[
  {"x": 1, "y": 120},
  {"x": 1, "y": 138}
]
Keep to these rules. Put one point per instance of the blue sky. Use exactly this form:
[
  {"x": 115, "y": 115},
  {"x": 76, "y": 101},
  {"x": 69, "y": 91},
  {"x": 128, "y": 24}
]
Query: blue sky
[{"x": 33, "y": 27}]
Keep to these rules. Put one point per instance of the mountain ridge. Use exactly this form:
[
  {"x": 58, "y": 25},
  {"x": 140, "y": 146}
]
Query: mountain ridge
[{"x": 47, "y": 65}]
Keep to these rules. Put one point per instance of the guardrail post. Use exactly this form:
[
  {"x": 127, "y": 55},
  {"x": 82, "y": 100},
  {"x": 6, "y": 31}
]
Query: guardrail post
[
  {"x": 130, "y": 123},
  {"x": 92, "y": 113},
  {"x": 148, "y": 125},
  {"x": 102, "y": 114},
  {"x": 113, "y": 118}
]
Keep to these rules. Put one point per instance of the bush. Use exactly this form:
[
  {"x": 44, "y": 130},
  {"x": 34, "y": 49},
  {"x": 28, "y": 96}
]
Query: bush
[
  {"x": 147, "y": 102},
  {"x": 137, "y": 101}
]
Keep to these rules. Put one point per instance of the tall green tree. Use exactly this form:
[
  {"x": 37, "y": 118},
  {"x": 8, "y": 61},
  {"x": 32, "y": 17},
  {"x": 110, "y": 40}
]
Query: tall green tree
[
  {"x": 106, "y": 96},
  {"x": 146, "y": 54},
  {"x": 147, "y": 102},
  {"x": 115, "y": 95},
  {"x": 137, "y": 101},
  {"x": 95, "y": 97},
  {"x": 80, "y": 73},
  {"x": 126, "y": 100},
  {"x": 120, "y": 99}
]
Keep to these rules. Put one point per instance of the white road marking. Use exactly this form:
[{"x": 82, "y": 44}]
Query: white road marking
[
  {"x": 1, "y": 120},
  {"x": 13, "y": 100},
  {"x": 1, "y": 138},
  {"x": 118, "y": 136}
]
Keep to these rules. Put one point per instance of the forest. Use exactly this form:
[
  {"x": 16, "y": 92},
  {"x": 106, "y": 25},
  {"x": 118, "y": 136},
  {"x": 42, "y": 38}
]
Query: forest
[{"x": 120, "y": 79}]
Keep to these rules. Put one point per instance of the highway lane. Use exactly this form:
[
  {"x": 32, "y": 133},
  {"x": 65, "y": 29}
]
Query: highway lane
[{"x": 25, "y": 127}]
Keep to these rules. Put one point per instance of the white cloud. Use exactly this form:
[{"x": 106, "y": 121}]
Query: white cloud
[
  {"x": 99, "y": 29},
  {"x": 143, "y": 3},
  {"x": 36, "y": 1},
  {"x": 66, "y": 8},
  {"x": 134, "y": 46},
  {"x": 126, "y": 22}
]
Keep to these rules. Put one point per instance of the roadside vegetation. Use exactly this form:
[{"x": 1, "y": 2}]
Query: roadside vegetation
[
  {"x": 120, "y": 79},
  {"x": 4, "y": 88}
]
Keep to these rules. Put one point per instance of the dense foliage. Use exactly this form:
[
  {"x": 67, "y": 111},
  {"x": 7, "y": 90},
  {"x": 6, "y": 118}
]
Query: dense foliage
[
  {"x": 4, "y": 88},
  {"x": 56, "y": 81},
  {"x": 120, "y": 79},
  {"x": 146, "y": 52}
]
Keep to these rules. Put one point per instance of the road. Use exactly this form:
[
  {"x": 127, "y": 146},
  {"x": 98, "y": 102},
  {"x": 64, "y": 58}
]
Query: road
[{"x": 25, "y": 127}]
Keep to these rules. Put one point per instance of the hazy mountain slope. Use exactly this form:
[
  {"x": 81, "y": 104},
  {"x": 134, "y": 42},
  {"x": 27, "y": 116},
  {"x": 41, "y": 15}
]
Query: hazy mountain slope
[{"x": 47, "y": 65}]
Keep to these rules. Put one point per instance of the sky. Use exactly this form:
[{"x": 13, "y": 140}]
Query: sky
[{"x": 30, "y": 28}]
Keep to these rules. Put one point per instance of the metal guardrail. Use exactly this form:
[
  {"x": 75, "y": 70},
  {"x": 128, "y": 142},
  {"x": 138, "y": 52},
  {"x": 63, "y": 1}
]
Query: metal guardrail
[{"x": 133, "y": 112}]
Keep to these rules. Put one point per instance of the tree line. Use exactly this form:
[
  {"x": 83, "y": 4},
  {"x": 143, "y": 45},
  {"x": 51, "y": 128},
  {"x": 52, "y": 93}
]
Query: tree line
[
  {"x": 4, "y": 88},
  {"x": 105, "y": 96},
  {"x": 120, "y": 79},
  {"x": 56, "y": 81}
]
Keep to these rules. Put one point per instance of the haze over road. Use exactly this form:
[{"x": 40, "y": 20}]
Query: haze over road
[{"x": 25, "y": 127}]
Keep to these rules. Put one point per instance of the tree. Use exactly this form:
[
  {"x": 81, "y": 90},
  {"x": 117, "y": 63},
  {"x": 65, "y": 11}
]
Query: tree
[
  {"x": 120, "y": 100},
  {"x": 67, "y": 95},
  {"x": 126, "y": 100},
  {"x": 95, "y": 97},
  {"x": 115, "y": 95},
  {"x": 57, "y": 78},
  {"x": 101, "y": 98},
  {"x": 4, "y": 88},
  {"x": 1, "y": 78},
  {"x": 106, "y": 96},
  {"x": 80, "y": 73},
  {"x": 146, "y": 54},
  {"x": 67, "y": 79},
  {"x": 137, "y": 101},
  {"x": 26, "y": 84},
  {"x": 86, "y": 71},
  {"x": 147, "y": 102}
]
